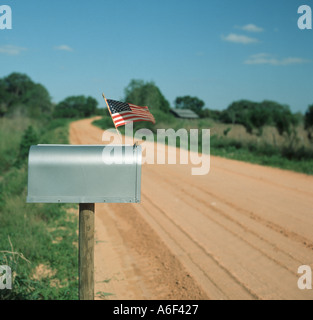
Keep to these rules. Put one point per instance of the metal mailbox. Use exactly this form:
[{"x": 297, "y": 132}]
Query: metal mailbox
[{"x": 84, "y": 174}]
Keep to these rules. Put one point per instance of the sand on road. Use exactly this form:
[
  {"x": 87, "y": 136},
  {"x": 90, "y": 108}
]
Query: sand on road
[{"x": 239, "y": 232}]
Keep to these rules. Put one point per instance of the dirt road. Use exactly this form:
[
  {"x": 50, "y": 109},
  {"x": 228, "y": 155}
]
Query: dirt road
[{"x": 239, "y": 232}]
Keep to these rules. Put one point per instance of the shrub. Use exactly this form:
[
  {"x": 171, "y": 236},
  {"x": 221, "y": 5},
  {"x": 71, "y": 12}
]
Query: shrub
[{"x": 29, "y": 138}]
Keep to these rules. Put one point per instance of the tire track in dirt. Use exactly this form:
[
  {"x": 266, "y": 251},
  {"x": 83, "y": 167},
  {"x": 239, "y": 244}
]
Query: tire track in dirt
[
  {"x": 270, "y": 224},
  {"x": 238, "y": 286},
  {"x": 222, "y": 250},
  {"x": 240, "y": 232},
  {"x": 297, "y": 189},
  {"x": 238, "y": 229},
  {"x": 232, "y": 206}
]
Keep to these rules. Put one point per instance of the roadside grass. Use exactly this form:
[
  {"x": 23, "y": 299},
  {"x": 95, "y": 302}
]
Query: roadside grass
[
  {"x": 10, "y": 135},
  {"x": 233, "y": 142},
  {"x": 104, "y": 295},
  {"x": 37, "y": 241},
  {"x": 263, "y": 154}
]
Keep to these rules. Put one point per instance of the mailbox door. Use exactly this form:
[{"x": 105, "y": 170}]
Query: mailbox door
[{"x": 84, "y": 174}]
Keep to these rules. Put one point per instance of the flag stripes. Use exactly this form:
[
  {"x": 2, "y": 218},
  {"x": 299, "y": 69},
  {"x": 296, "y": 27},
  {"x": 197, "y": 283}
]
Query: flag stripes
[{"x": 123, "y": 113}]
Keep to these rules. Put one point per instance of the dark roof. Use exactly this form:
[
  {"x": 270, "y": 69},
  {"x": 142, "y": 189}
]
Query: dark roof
[{"x": 184, "y": 113}]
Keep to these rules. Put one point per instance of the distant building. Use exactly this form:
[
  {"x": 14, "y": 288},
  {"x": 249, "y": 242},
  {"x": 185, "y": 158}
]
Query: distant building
[{"x": 184, "y": 113}]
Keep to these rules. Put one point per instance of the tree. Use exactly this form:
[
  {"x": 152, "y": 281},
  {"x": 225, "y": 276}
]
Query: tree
[
  {"x": 213, "y": 114},
  {"x": 308, "y": 122},
  {"x": 286, "y": 123},
  {"x": 283, "y": 119},
  {"x": 4, "y": 97},
  {"x": 17, "y": 84},
  {"x": 240, "y": 112},
  {"x": 255, "y": 115},
  {"x": 76, "y": 107},
  {"x": 38, "y": 100},
  {"x": 188, "y": 102},
  {"x": 19, "y": 92},
  {"x": 146, "y": 94}
]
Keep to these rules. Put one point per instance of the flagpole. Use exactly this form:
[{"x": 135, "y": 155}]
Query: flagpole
[{"x": 118, "y": 133}]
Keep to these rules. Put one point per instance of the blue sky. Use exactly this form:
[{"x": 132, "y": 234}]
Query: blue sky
[{"x": 217, "y": 50}]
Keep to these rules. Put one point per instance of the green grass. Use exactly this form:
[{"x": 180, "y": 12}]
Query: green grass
[
  {"x": 35, "y": 236},
  {"x": 263, "y": 155},
  {"x": 103, "y": 295},
  {"x": 233, "y": 142},
  {"x": 10, "y": 135}
]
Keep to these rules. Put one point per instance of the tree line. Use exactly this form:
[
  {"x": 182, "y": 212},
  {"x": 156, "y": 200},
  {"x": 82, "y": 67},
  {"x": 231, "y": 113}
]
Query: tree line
[
  {"x": 20, "y": 94},
  {"x": 254, "y": 116}
]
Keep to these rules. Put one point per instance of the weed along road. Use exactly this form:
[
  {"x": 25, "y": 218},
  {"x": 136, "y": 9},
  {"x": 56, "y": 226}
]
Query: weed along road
[{"x": 239, "y": 232}]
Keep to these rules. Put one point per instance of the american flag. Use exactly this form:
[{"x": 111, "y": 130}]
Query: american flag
[{"x": 122, "y": 113}]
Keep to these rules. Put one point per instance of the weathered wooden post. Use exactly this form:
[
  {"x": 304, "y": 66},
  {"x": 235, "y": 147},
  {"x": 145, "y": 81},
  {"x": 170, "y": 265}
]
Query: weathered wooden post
[
  {"x": 86, "y": 175},
  {"x": 86, "y": 250}
]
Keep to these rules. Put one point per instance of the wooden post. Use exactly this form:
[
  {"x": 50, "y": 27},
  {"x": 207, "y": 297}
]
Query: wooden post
[{"x": 86, "y": 250}]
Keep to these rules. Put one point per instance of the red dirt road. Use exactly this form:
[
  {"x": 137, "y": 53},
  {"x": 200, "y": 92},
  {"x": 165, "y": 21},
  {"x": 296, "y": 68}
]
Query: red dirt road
[{"x": 239, "y": 232}]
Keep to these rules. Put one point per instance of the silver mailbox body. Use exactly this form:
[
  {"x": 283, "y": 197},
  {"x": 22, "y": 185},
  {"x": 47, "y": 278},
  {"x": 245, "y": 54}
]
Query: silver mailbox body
[{"x": 84, "y": 174}]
